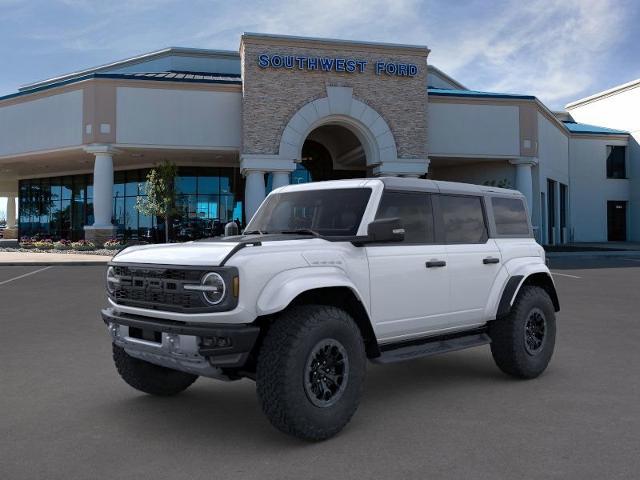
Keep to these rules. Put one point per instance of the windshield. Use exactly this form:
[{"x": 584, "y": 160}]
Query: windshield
[{"x": 335, "y": 212}]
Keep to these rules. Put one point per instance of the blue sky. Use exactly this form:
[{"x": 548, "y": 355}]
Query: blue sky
[{"x": 558, "y": 50}]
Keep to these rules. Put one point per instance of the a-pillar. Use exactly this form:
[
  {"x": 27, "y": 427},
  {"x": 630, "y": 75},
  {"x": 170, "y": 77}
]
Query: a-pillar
[
  {"x": 524, "y": 178},
  {"x": 102, "y": 228},
  {"x": 254, "y": 167}
]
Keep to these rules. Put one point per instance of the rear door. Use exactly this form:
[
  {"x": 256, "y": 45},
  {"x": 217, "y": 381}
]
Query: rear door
[
  {"x": 409, "y": 279},
  {"x": 474, "y": 259}
]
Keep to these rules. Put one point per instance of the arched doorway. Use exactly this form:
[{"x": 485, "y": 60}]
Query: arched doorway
[{"x": 333, "y": 152}]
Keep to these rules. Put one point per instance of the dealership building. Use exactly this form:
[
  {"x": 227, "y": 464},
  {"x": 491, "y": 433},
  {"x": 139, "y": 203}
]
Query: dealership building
[{"x": 75, "y": 149}]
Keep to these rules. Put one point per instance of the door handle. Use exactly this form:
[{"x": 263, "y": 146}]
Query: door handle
[
  {"x": 436, "y": 263},
  {"x": 490, "y": 260}
]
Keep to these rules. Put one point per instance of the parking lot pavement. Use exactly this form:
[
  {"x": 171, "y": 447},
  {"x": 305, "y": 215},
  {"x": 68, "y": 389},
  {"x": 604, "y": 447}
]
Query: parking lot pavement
[{"x": 65, "y": 414}]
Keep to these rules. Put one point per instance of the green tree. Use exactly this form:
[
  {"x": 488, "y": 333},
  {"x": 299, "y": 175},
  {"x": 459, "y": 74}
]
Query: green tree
[{"x": 160, "y": 199}]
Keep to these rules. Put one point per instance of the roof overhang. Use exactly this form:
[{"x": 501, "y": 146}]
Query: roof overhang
[
  {"x": 145, "y": 57},
  {"x": 605, "y": 93}
]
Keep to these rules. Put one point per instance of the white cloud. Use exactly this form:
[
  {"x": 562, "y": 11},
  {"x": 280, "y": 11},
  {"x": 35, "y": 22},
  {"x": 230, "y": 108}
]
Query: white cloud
[{"x": 554, "y": 49}]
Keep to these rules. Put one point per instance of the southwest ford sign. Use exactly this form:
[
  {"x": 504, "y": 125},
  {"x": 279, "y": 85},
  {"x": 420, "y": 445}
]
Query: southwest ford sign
[{"x": 331, "y": 64}]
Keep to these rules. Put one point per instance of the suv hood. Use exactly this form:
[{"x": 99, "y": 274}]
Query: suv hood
[
  {"x": 192, "y": 253},
  {"x": 208, "y": 252}
]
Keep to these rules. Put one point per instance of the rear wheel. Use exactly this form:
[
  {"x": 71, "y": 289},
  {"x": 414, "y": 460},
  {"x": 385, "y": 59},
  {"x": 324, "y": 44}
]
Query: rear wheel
[
  {"x": 311, "y": 371},
  {"x": 150, "y": 378},
  {"x": 523, "y": 341}
]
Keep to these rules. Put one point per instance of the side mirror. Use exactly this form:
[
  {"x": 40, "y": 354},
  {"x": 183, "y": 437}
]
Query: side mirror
[{"x": 383, "y": 230}]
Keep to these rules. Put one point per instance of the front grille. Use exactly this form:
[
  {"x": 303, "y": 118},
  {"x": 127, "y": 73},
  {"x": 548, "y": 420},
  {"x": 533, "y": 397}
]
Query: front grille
[{"x": 159, "y": 288}]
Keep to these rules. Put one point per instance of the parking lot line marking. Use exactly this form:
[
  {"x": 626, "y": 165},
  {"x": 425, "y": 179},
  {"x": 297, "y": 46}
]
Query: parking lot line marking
[
  {"x": 565, "y": 275},
  {"x": 25, "y": 275}
]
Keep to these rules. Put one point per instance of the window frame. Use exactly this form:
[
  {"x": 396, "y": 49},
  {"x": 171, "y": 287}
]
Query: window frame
[
  {"x": 430, "y": 199},
  {"x": 440, "y": 228}
]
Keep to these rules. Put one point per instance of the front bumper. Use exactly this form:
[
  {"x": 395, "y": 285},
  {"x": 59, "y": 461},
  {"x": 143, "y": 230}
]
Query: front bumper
[{"x": 201, "y": 349}]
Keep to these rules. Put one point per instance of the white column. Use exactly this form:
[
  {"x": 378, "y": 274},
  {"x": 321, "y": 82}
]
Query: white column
[
  {"x": 253, "y": 167},
  {"x": 254, "y": 192},
  {"x": 524, "y": 178},
  {"x": 11, "y": 211},
  {"x": 280, "y": 179},
  {"x": 103, "y": 189}
]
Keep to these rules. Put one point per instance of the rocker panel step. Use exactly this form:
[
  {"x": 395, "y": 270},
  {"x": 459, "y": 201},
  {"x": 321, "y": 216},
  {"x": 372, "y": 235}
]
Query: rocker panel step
[{"x": 431, "y": 346}]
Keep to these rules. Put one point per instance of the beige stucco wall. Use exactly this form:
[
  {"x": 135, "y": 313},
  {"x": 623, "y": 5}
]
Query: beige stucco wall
[
  {"x": 272, "y": 96},
  {"x": 178, "y": 117},
  {"x": 50, "y": 122}
]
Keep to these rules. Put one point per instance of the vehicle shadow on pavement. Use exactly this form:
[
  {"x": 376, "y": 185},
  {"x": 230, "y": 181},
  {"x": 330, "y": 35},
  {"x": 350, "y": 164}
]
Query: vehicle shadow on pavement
[{"x": 211, "y": 412}]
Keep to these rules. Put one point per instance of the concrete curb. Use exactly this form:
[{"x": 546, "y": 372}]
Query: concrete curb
[{"x": 595, "y": 253}]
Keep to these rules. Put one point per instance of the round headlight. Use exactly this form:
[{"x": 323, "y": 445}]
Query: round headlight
[
  {"x": 112, "y": 280},
  {"x": 213, "y": 288}
]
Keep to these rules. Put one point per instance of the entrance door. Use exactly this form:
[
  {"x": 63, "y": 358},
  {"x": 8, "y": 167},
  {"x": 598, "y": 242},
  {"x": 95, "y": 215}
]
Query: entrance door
[
  {"x": 410, "y": 279},
  {"x": 617, "y": 221}
]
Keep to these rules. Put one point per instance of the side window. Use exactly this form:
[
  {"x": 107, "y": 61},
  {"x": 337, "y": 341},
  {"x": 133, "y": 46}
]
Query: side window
[
  {"x": 414, "y": 210},
  {"x": 510, "y": 216},
  {"x": 463, "y": 219}
]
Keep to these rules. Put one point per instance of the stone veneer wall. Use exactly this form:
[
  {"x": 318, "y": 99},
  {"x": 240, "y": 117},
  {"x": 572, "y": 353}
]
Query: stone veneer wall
[{"x": 271, "y": 96}]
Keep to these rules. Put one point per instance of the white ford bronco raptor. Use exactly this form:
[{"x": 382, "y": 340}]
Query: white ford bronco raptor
[{"x": 325, "y": 277}]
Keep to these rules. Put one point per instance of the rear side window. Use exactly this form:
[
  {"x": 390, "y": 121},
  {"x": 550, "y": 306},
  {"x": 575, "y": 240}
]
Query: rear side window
[
  {"x": 463, "y": 219},
  {"x": 414, "y": 210},
  {"x": 510, "y": 216}
]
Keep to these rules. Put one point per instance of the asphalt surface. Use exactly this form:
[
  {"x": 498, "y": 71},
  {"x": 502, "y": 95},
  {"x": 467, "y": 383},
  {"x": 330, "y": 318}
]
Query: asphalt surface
[{"x": 65, "y": 413}]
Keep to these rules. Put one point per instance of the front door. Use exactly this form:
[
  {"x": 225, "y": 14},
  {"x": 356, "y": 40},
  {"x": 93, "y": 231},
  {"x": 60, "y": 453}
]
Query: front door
[
  {"x": 409, "y": 280},
  {"x": 617, "y": 221}
]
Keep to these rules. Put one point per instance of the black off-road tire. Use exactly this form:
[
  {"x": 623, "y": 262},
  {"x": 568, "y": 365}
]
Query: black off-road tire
[
  {"x": 288, "y": 359},
  {"x": 150, "y": 378},
  {"x": 512, "y": 352}
]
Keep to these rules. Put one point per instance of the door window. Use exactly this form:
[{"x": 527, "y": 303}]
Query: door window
[
  {"x": 463, "y": 219},
  {"x": 414, "y": 211}
]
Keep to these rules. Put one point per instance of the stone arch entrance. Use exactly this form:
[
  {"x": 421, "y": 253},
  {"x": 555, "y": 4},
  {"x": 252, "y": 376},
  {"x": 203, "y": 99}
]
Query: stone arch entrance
[
  {"x": 339, "y": 110},
  {"x": 321, "y": 122}
]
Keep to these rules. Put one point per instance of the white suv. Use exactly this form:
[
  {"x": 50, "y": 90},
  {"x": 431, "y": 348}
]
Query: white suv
[{"x": 325, "y": 276}]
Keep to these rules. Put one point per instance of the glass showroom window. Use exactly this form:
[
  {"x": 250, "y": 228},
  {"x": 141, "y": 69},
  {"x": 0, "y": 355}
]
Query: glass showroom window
[
  {"x": 206, "y": 202},
  {"x": 129, "y": 223},
  {"x": 55, "y": 207}
]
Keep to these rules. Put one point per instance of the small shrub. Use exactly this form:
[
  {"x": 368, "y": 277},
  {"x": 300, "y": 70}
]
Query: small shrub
[
  {"x": 113, "y": 244},
  {"x": 26, "y": 242},
  {"x": 83, "y": 245},
  {"x": 43, "y": 244},
  {"x": 62, "y": 245}
]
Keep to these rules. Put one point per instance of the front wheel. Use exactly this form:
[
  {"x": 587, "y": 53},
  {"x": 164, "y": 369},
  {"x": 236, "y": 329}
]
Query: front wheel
[
  {"x": 311, "y": 371},
  {"x": 523, "y": 341},
  {"x": 150, "y": 378}
]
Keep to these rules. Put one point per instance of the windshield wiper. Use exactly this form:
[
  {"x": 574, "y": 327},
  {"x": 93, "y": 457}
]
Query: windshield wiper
[
  {"x": 301, "y": 231},
  {"x": 254, "y": 232}
]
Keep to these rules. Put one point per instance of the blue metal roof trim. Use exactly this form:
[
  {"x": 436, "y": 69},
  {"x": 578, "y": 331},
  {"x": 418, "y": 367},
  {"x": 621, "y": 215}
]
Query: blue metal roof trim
[
  {"x": 474, "y": 93},
  {"x": 575, "y": 127},
  {"x": 228, "y": 79}
]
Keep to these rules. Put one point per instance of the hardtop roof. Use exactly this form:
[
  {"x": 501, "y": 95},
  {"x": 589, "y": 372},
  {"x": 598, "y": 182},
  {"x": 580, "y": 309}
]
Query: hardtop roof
[{"x": 409, "y": 184}]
